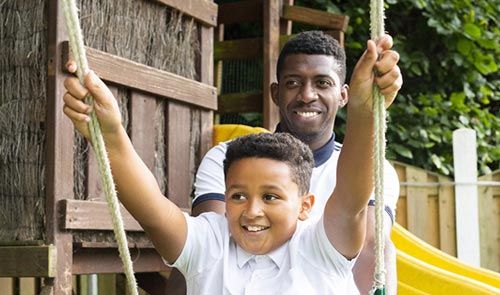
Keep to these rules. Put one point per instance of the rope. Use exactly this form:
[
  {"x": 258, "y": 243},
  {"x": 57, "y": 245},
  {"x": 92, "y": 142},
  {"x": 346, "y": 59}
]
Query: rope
[
  {"x": 76, "y": 43},
  {"x": 377, "y": 31}
]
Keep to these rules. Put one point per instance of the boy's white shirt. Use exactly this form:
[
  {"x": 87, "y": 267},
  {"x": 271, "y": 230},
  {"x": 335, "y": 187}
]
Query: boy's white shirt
[
  {"x": 212, "y": 263},
  {"x": 323, "y": 179}
]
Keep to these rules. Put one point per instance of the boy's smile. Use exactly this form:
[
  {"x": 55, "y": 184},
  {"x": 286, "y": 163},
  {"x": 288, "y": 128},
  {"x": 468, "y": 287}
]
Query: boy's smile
[{"x": 263, "y": 204}]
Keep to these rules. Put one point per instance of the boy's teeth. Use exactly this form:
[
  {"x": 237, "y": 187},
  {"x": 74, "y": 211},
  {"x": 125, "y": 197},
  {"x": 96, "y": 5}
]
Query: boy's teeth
[
  {"x": 255, "y": 228},
  {"x": 307, "y": 114}
]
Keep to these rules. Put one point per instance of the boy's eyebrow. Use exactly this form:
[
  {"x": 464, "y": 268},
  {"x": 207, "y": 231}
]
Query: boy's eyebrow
[{"x": 300, "y": 76}]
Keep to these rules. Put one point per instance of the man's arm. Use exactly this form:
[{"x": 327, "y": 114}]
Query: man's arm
[
  {"x": 364, "y": 268},
  {"x": 345, "y": 212},
  {"x": 137, "y": 188},
  {"x": 210, "y": 183}
]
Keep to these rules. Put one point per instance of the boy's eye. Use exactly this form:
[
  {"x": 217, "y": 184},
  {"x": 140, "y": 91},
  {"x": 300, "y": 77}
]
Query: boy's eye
[
  {"x": 238, "y": 196},
  {"x": 270, "y": 197}
]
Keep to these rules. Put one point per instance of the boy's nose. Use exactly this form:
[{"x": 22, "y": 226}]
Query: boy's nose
[{"x": 254, "y": 209}]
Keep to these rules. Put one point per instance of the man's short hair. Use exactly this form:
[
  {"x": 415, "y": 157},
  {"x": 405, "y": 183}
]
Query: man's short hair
[
  {"x": 314, "y": 43},
  {"x": 281, "y": 147}
]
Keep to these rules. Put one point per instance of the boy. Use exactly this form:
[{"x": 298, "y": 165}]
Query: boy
[{"x": 255, "y": 250}]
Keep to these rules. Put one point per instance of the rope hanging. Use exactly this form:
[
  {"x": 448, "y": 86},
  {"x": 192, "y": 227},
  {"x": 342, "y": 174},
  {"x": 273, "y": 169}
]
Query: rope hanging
[
  {"x": 377, "y": 31},
  {"x": 76, "y": 43}
]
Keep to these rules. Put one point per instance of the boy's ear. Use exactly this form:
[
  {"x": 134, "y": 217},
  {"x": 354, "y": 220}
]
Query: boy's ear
[{"x": 306, "y": 207}]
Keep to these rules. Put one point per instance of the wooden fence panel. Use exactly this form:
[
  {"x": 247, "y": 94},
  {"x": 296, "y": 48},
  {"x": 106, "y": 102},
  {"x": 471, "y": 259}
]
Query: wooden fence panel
[{"x": 489, "y": 221}]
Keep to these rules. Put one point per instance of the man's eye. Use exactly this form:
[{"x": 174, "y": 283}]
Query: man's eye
[
  {"x": 292, "y": 83},
  {"x": 324, "y": 83},
  {"x": 270, "y": 197},
  {"x": 237, "y": 196}
]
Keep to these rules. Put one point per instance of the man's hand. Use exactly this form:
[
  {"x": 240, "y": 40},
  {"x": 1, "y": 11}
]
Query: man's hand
[{"x": 377, "y": 64}]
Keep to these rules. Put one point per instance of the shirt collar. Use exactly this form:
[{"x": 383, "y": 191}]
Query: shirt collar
[
  {"x": 322, "y": 154},
  {"x": 277, "y": 256}
]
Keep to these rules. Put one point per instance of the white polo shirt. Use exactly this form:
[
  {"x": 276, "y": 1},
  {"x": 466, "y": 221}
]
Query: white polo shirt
[{"x": 212, "y": 263}]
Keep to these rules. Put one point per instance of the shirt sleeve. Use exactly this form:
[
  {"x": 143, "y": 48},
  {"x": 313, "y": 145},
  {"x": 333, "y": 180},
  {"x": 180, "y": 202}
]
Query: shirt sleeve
[
  {"x": 391, "y": 191},
  {"x": 209, "y": 183}
]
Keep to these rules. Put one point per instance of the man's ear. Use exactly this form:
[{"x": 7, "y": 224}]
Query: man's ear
[
  {"x": 306, "y": 206},
  {"x": 344, "y": 95},
  {"x": 275, "y": 93}
]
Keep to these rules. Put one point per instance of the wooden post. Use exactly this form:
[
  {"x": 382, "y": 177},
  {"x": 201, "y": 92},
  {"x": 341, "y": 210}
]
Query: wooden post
[
  {"x": 271, "y": 44},
  {"x": 466, "y": 205}
]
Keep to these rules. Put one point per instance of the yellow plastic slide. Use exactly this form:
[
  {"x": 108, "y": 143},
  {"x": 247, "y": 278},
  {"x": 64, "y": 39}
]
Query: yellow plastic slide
[{"x": 423, "y": 269}]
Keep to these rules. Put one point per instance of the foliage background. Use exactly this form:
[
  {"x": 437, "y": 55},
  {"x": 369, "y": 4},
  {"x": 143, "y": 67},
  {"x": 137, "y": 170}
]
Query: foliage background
[{"x": 450, "y": 58}]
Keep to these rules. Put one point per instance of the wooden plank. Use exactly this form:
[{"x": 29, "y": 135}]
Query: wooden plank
[
  {"x": 28, "y": 286},
  {"x": 466, "y": 198},
  {"x": 89, "y": 261},
  {"x": 7, "y": 286},
  {"x": 286, "y": 25},
  {"x": 93, "y": 215},
  {"x": 447, "y": 238},
  {"x": 18, "y": 261},
  {"x": 241, "y": 102},
  {"x": 206, "y": 70},
  {"x": 178, "y": 160},
  {"x": 142, "y": 122},
  {"x": 271, "y": 47},
  {"x": 202, "y": 10},
  {"x": 489, "y": 225},
  {"x": 418, "y": 211},
  {"x": 249, "y": 48},
  {"x": 59, "y": 155},
  {"x": 315, "y": 17},
  {"x": 240, "y": 12},
  {"x": 125, "y": 72}
]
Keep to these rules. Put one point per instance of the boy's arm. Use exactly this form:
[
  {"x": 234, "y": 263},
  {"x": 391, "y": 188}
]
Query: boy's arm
[
  {"x": 345, "y": 211},
  {"x": 137, "y": 188}
]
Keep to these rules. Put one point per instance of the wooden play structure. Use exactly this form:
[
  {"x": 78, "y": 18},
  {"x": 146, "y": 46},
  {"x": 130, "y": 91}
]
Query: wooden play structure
[
  {"x": 158, "y": 59},
  {"x": 168, "y": 111}
]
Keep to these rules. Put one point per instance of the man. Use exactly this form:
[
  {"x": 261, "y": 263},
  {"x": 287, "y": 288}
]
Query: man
[{"x": 311, "y": 72}]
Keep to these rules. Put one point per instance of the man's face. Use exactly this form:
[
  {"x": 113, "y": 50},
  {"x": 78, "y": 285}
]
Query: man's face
[
  {"x": 263, "y": 204},
  {"x": 309, "y": 94}
]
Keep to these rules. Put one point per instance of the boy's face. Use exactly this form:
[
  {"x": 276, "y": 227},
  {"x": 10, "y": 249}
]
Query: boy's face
[
  {"x": 309, "y": 94},
  {"x": 263, "y": 204}
]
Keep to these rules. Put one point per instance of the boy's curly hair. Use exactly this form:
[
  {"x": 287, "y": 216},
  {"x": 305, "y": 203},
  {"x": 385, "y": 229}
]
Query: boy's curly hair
[
  {"x": 314, "y": 43},
  {"x": 276, "y": 146}
]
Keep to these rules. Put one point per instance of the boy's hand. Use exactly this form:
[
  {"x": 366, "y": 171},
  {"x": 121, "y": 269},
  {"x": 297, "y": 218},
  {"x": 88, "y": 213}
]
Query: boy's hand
[
  {"x": 105, "y": 105},
  {"x": 388, "y": 76}
]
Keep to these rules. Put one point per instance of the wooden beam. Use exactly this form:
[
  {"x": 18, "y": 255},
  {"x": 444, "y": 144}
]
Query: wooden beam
[
  {"x": 90, "y": 215},
  {"x": 241, "y": 102},
  {"x": 102, "y": 260},
  {"x": 28, "y": 261},
  {"x": 240, "y": 12},
  {"x": 202, "y": 10},
  {"x": 128, "y": 73},
  {"x": 315, "y": 17},
  {"x": 238, "y": 49}
]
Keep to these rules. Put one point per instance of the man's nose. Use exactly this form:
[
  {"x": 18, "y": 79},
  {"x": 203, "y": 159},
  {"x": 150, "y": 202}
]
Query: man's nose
[{"x": 308, "y": 93}]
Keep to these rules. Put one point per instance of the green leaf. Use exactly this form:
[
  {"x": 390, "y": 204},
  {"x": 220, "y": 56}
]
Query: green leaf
[
  {"x": 464, "y": 46},
  {"x": 472, "y": 31},
  {"x": 403, "y": 151}
]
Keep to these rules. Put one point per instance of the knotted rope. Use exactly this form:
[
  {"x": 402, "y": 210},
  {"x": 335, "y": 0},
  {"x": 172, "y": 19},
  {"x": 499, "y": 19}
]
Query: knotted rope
[
  {"x": 76, "y": 44},
  {"x": 377, "y": 31}
]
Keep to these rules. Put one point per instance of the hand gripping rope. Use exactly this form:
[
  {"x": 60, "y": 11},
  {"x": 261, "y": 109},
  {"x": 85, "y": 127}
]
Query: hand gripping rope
[
  {"x": 76, "y": 44},
  {"x": 377, "y": 31}
]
